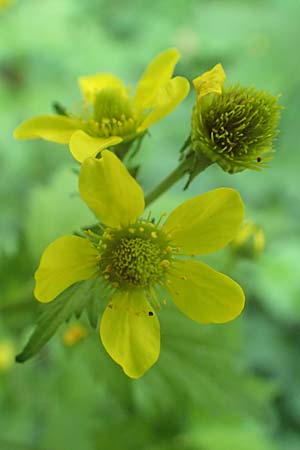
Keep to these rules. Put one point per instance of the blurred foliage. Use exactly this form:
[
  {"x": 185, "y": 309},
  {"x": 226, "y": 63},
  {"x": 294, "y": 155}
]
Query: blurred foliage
[{"x": 232, "y": 387}]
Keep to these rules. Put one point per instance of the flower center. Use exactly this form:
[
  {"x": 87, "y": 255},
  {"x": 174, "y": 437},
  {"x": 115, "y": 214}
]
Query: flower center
[
  {"x": 136, "y": 256},
  {"x": 114, "y": 115}
]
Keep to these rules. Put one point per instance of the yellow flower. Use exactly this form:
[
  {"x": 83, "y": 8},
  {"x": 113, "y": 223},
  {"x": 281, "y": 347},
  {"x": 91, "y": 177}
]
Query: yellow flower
[
  {"x": 74, "y": 333},
  {"x": 7, "y": 355},
  {"x": 4, "y": 4},
  {"x": 109, "y": 115},
  {"x": 136, "y": 258}
]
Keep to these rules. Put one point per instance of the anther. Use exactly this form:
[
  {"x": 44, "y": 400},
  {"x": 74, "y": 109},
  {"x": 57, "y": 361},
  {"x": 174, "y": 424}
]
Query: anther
[
  {"x": 154, "y": 234},
  {"x": 165, "y": 263}
]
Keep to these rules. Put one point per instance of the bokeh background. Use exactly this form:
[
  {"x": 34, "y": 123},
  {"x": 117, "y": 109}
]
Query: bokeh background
[{"x": 231, "y": 387}]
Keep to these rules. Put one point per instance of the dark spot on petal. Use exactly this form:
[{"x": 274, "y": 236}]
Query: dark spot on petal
[
  {"x": 258, "y": 159},
  {"x": 150, "y": 313}
]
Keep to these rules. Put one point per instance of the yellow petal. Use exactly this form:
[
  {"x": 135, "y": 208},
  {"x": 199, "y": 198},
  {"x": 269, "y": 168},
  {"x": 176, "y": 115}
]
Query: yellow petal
[
  {"x": 110, "y": 191},
  {"x": 203, "y": 294},
  {"x": 83, "y": 146},
  {"x": 207, "y": 222},
  {"x": 158, "y": 72},
  {"x": 53, "y": 128},
  {"x": 168, "y": 97},
  {"x": 211, "y": 81},
  {"x": 64, "y": 262},
  {"x": 92, "y": 84},
  {"x": 130, "y": 335}
]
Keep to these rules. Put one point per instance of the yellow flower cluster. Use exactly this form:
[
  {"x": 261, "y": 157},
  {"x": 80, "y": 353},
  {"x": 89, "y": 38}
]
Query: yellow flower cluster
[{"x": 139, "y": 261}]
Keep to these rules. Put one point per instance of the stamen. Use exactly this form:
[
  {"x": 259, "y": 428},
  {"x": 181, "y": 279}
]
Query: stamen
[
  {"x": 165, "y": 263},
  {"x": 135, "y": 256},
  {"x": 161, "y": 217}
]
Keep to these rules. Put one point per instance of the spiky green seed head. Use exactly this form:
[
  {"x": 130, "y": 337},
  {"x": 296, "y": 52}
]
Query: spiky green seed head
[{"x": 235, "y": 129}]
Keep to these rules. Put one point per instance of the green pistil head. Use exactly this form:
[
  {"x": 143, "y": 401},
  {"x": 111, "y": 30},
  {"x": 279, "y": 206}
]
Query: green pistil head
[
  {"x": 137, "y": 256},
  {"x": 236, "y": 129},
  {"x": 113, "y": 115}
]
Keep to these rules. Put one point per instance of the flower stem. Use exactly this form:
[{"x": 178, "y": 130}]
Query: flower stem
[
  {"x": 188, "y": 166},
  {"x": 171, "y": 179}
]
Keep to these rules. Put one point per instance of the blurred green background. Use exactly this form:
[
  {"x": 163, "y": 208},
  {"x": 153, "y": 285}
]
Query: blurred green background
[{"x": 230, "y": 387}]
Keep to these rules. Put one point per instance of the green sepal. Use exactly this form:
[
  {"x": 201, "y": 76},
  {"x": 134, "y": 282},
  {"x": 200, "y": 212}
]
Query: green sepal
[
  {"x": 59, "y": 109},
  {"x": 71, "y": 302},
  {"x": 197, "y": 164}
]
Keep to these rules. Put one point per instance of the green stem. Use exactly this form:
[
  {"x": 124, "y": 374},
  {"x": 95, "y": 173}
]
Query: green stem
[
  {"x": 171, "y": 179},
  {"x": 186, "y": 167}
]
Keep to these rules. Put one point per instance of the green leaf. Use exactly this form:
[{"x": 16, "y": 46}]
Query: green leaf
[
  {"x": 202, "y": 364},
  {"x": 71, "y": 302},
  {"x": 239, "y": 435}
]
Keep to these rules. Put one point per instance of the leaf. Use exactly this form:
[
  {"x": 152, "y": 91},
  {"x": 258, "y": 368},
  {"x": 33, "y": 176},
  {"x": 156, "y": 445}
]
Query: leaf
[
  {"x": 72, "y": 301},
  {"x": 228, "y": 435},
  {"x": 202, "y": 364}
]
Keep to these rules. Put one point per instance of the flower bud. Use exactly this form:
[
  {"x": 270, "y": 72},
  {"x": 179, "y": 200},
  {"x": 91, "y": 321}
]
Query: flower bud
[{"x": 74, "y": 333}]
